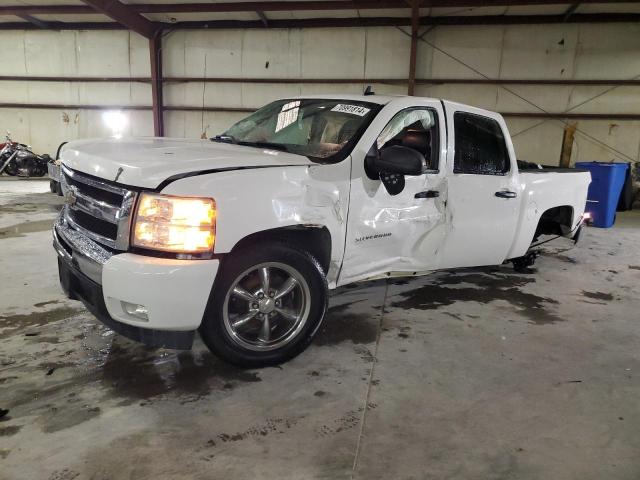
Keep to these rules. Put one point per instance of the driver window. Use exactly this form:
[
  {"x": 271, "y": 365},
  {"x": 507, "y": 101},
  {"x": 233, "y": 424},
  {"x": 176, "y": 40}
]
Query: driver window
[{"x": 414, "y": 128}]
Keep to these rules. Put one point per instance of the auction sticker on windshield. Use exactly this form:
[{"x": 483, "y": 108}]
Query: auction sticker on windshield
[{"x": 352, "y": 109}]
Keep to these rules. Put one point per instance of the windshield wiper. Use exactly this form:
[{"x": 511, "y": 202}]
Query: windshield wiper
[
  {"x": 224, "y": 139},
  {"x": 273, "y": 146}
]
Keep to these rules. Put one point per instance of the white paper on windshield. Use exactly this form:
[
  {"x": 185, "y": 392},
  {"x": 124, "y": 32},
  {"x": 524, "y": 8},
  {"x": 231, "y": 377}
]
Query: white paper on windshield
[{"x": 352, "y": 109}]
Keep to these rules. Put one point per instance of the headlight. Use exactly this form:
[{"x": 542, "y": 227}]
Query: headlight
[{"x": 175, "y": 224}]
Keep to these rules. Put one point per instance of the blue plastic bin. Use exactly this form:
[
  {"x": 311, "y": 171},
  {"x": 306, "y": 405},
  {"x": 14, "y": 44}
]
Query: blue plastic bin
[{"x": 607, "y": 180}]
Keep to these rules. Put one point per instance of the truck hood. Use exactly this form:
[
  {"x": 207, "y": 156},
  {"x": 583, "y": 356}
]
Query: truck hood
[{"x": 147, "y": 162}]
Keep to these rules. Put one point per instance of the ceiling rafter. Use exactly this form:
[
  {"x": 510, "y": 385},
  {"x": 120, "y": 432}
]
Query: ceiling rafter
[
  {"x": 571, "y": 10},
  {"x": 124, "y": 15},
  {"x": 345, "y": 22},
  {"x": 35, "y": 21},
  {"x": 263, "y": 18},
  {"x": 274, "y": 6}
]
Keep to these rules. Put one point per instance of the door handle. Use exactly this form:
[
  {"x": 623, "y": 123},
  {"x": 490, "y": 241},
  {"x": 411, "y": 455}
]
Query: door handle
[
  {"x": 506, "y": 194},
  {"x": 428, "y": 194}
]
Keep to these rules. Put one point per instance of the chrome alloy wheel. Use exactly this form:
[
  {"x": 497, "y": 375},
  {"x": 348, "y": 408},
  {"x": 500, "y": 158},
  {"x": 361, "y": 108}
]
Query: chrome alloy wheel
[{"x": 266, "y": 306}]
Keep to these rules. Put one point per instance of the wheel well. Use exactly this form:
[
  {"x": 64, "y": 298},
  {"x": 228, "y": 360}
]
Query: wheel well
[
  {"x": 312, "y": 239},
  {"x": 555, "y": 221}
]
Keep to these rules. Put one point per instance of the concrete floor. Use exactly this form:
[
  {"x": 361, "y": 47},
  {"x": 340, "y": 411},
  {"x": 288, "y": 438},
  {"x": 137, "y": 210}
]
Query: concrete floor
[{"x": 474, "y": 374}]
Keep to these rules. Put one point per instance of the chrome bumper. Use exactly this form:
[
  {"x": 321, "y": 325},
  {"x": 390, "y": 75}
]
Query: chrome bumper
[{"x": 78, "y": 250}]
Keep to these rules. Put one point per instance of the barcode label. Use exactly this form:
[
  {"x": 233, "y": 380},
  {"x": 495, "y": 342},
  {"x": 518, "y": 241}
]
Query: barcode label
[{"x": 352, "y": 109}]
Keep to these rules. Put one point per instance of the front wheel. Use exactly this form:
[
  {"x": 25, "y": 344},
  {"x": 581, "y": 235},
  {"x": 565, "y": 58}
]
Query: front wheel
[{"x": 266, "y": 305}]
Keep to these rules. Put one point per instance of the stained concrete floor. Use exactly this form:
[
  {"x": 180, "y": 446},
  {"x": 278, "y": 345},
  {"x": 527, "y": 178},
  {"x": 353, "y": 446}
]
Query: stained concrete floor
[{"x": 474, "y": 374}]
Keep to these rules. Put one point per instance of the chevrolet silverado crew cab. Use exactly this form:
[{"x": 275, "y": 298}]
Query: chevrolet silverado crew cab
[{"x": 242, "y": 236}]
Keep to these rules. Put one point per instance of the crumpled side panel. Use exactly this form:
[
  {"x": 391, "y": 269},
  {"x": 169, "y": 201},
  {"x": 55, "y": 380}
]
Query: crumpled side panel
[
  {"x": 251, "y": 201},
  {"x": 394, "y": 233}
]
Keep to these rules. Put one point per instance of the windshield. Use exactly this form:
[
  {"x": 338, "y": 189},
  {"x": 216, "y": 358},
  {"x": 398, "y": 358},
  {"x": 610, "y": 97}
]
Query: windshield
[{"x": 323, "y": 130}]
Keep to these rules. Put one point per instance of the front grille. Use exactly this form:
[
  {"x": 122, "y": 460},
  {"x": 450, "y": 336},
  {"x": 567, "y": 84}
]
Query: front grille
[
  {"x": 99, "y": 209},
  {"x": 96, "y": 193},
  {"x": 93, "y": 224}
]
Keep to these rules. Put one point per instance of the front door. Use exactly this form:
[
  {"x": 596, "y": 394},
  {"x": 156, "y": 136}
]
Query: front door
[
  {"x": 396, "y": 228},
  {"x": 484, "y": 195}
]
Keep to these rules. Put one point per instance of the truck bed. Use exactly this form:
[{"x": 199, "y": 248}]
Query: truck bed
[{"x": 530, "y": 167}]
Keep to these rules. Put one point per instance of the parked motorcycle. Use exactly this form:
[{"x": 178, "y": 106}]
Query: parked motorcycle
[{"x": 17, "y": 159}]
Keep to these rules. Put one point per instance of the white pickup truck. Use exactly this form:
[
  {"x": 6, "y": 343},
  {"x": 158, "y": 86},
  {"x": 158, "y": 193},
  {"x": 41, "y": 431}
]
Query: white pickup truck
[{"x": 242, "y": 236}]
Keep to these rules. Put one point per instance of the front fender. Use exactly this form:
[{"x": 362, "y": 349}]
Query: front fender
[{"x": 253, "y": 200}]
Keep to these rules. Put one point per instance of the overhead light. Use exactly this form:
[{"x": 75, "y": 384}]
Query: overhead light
[{"x": 116, "y": 121}]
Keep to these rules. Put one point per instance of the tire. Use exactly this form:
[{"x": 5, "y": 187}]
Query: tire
[
  {"x": 11, "y": 169},
  {"x": 52, "y": 186},
  {"x": 256, "y": 343}
]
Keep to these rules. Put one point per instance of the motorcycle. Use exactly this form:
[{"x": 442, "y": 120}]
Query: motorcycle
[{"x": 17, "y": 159}]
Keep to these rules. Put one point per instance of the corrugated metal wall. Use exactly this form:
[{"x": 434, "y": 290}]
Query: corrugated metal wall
[{"x": 575, "y": 51}]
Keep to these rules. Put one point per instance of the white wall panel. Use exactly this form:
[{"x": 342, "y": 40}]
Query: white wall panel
[
  {"x": 193, "y": 124},
  {"x": 476, "y": 46},
  {"x": 271, "y": 53},
  {"x": 14, "y": 92},
  {"x": 483, "y": 96},
  {"x": 608, "y": 51},
  {"x": 539, "y": 51},
  {"x": 52, "y": 92},
  {"x": 387, "y": 53},
  {"x": 550, "y": 99},
  {"x": 50, "y": 53},
  {"x": 103, "y": 53},
  {"x": 13, "y": 52},
  {"x": 541, "y": 144},
  {"x": 15, "y": 121},
  {"x": 609, "y": 99},
  {"x": 333, "y": 52},
  {"x": 621, "y": 136},
  {"x": 566, "y": 51}
]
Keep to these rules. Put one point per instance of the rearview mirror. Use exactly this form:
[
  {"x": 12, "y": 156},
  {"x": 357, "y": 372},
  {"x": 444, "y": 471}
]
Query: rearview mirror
[{"x": 400, "y": 160}]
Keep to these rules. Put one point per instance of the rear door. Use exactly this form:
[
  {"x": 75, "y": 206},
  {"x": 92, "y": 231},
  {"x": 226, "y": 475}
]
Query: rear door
[{"x": 483, "y": 192}]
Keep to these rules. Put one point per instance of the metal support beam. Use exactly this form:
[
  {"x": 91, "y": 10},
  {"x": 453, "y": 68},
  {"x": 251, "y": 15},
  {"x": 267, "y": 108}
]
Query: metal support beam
[
  {"x": 346, "y": 22},
  {"x": 280, "y": 6},
  {"x": 413, "y": 53},
  {"x": 34, "y": 21},
  {"x": 123, "y": 14},
  {"x": 344, "y": 81},
  {"x": 275, "y": 6},
  {"x": 263, "y": 18},
  {"x": 401, "y": 22},
  {"x": 30, "y": 78},
  {"x": 155, "y": 52},
  {"x": 570, "y": 11},
  {"x": 179, "y": 108}
]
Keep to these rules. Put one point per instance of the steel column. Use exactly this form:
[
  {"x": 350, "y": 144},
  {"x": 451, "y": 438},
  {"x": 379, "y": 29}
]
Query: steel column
[
  {"x": 155, "y": 52},
  {"x": 415, "y": 24}
]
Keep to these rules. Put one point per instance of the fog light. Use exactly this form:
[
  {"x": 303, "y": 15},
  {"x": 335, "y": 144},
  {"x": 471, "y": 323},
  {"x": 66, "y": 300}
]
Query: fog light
[{"x": 135, "y": 310}]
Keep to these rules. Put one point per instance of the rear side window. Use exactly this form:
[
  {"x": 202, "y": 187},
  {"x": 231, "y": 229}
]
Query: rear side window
[{"x": 480, "y": 147}]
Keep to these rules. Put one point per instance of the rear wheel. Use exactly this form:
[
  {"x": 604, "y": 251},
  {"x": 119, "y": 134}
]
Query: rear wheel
[{"x": 266, "y": 305}]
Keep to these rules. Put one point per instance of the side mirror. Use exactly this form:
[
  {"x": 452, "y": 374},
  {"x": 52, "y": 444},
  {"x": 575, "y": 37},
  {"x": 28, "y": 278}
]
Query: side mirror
[
  {"x": 400, "y": 160},
  {"x": 391, "y": 165}
]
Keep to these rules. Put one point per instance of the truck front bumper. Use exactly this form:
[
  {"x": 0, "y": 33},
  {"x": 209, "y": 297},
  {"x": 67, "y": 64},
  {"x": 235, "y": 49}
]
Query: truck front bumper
[{"x": 159, "y": 302}]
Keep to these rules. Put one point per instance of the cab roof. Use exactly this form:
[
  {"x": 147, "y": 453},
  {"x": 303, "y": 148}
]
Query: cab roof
[{"x": 379, "y": 99}]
